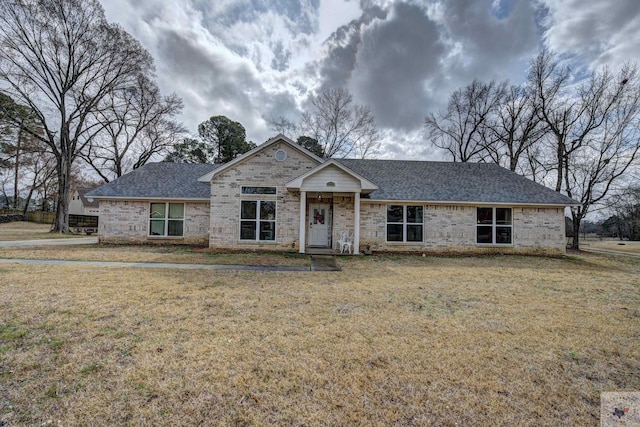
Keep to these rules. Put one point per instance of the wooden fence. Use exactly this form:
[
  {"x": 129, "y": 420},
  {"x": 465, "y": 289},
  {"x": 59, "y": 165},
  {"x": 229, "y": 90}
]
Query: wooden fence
[{"x": 40, "y": 217}]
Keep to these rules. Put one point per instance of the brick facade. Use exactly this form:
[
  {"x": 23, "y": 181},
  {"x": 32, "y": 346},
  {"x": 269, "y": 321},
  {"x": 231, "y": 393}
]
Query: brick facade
[
  {"x": 262, "y": 170},
  {"x": 452, "y": 228},
  {"x": 128, "y": 222},
  {"x": 216, "y": 223}
]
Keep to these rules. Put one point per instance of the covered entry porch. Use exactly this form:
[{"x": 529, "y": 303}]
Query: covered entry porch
[{"x": 329, "y": 205}]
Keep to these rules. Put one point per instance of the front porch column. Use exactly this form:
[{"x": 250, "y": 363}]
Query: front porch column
[
  {"x": 356, "y": 220},
  {"x": 303, "y": 220}
]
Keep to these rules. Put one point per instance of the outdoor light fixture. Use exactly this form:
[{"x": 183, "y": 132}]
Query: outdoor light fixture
[{"x": 320, "y": 197}]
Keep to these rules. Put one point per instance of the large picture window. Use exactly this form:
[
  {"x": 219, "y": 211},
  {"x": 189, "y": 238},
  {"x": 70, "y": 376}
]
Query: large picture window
[
  {"x": 494, "y": 226},
  {"x": 166, "y": 219},
  {"x": 404, "y": 223},
  {"x": 258, "y": 220}
]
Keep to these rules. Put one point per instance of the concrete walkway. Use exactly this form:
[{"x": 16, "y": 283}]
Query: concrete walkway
[
  {"x": 156, "y": 265},
  {"x": 318, "y": 263},
  {"x": 49, "y": 242}
]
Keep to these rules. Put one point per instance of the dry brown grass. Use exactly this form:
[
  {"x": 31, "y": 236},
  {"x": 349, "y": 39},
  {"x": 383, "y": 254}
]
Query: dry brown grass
[
  {"x": 23, "y": 230},
  {"x": 612, "y": 245},
  {"x": 387, "y": 341},
  {"x": 168, "y": 254}
]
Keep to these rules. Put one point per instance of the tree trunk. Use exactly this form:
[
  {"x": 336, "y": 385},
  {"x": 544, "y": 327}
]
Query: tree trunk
[
  {"x": 576, "y": 220},
  {"x": 26, "y": 202},
  {"x": 16, "y": 170},
  {"x": 61, "y": 224},
  {"x": 561, "y": 160}
]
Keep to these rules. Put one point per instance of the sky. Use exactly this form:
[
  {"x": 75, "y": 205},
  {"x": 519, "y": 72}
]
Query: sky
[{"x": 254, "y": 60}]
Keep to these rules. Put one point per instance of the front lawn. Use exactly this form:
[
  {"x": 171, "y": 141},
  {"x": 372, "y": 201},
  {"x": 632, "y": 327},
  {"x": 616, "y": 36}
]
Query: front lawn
[{"x": 390, "y": 340}]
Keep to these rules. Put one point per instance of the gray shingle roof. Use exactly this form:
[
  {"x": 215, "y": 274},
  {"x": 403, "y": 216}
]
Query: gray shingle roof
[
  {"x": 452, "y": 182},
  {"x": 160, "y": 180},
  {"x": 396, "y": 179}
]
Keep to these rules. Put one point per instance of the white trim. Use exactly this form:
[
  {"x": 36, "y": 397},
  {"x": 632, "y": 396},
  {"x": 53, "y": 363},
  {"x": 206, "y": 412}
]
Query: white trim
[
  {"x": 242, "y": 157},
  {"x": 147, "y": 199},
  {"x": 454, "y": 203},
  {"x": 404, "y": 224},
  {"x": 365, "y": 184},
  {"x": 166, "y": 220},
  {"x": 356, "y": 225},
  {"x": 257, "y": 221},
  {"x": 303, "y": 220},
  {"x": 493, "y": 226}
]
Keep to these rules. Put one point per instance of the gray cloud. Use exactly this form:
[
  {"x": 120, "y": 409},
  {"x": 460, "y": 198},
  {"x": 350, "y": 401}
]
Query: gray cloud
[
  {"x": 255, "y": 59},
  {"x": 395, "y": 59}
]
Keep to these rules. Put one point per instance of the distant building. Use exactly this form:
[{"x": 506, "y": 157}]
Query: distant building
[{"x": 80, "y": 205}]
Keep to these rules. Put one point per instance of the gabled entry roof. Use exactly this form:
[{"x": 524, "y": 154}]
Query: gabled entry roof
[
  {"x": 332, "y": 176},
  {"x": 261, "y": 147}
]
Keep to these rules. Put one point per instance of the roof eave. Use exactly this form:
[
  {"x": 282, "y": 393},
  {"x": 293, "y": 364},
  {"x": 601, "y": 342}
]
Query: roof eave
[
  {"x": 145, "y": 198},
  {"x": 470, "y": 203}
]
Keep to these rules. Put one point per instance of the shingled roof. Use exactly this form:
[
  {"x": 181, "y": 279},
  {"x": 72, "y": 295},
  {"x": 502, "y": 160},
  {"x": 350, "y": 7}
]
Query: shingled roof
[
  {"x": 452, "y": 182},
  {"x": 159, "y": 180},
  {"x": 396, "y": 180}
]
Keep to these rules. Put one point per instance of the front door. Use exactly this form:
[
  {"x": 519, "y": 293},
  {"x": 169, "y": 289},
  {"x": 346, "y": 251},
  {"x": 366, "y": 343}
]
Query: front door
[{"x": 318, "y": 224}]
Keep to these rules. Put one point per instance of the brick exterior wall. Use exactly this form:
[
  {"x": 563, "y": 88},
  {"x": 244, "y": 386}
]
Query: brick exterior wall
[
  {"x": 261, "y": 170},
  {"x": 453, "y": 229},
  {"x": 128, "y": 222}
]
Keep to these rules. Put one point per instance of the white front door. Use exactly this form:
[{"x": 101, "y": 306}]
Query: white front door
[{"x": 318, "y": 224}]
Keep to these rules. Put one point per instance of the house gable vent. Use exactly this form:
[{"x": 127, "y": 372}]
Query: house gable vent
[{"x": 280, "y": 155}]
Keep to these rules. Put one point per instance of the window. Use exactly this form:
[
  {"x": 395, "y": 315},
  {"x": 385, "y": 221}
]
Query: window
[
  {"x": 258, "y": 220},
  {"x": 166, "y": 219},
  {"x": 495, "y": 226},
  {"x": 404, "y": 223},
  {"x": 258, "y": 190}
]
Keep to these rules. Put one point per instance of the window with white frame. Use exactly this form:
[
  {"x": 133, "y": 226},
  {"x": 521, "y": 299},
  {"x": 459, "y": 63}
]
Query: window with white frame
[
  {"x": 405, "y": 223},
  {"x": 258, "y": 220},
  {"x": 166, "y": 219},
  {"x": 258, "y": 190},
  {"x": 494, "y": 226}
]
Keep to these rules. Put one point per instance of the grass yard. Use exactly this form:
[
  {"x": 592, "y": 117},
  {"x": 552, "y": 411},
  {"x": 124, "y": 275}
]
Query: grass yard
[
  {"x": 399, "y": 340},
  {"x": 23, "y": 230},
  {"x": 616, "y": 245}
]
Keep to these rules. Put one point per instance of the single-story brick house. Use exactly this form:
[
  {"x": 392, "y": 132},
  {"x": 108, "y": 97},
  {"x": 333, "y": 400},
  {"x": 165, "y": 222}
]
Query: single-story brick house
[{"x": 280, "y": 196}]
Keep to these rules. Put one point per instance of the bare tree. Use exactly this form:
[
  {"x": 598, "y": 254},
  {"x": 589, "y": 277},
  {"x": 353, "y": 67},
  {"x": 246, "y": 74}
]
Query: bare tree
[
  {"x": 61, "y": 58},
  {"x": 626, "y": 206},
  {"x": 515, "y": 128},
  {"x": 284, "y": 126},
  {"x": 341, "y": 127},
  {"x": 462, "y": 129},
  {"x": 42, "y": 170},
  {"x": 138, "y": 123},
  {"x": 571, "y": 119},
  {"x": 606, "y": 154}
]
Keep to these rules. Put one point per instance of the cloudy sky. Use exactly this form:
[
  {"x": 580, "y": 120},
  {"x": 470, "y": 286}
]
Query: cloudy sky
[{"x": 252, "y": 60}]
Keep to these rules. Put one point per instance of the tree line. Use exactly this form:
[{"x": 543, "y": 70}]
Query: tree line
[{"x": 581, "y": 137}]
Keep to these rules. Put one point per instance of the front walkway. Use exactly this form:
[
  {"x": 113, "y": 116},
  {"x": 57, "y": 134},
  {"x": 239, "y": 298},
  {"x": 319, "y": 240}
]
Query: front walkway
[
  {"x": 157, "y": 265},
  {"x": 50, "y": 242},
  {"x": 318, "y": 263}
]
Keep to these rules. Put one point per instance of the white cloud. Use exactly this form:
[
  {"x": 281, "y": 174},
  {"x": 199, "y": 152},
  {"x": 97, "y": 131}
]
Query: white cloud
[
  {"x": 251, "y": 60},
  {"x": 594, "y": 32}
]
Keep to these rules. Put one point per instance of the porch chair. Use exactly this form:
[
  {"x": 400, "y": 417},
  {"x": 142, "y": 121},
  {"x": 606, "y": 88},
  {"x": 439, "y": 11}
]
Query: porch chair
[{"x": 346, "y": 242}]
